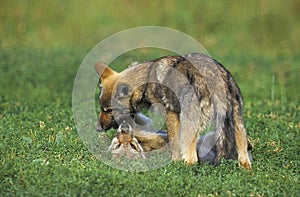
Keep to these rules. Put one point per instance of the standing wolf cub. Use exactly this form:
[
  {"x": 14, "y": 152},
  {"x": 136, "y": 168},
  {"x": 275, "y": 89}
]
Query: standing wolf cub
[{"x": 198, "y": 94}]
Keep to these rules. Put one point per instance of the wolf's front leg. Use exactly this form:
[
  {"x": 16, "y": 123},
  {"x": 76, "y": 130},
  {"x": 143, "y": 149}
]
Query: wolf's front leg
[
  {"x": 189, "y": 153},
  {"x": 173, "y": 123}
]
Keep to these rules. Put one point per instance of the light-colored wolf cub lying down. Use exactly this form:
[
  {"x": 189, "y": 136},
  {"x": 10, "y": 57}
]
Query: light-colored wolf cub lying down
[{"x": 133, "y": 143}]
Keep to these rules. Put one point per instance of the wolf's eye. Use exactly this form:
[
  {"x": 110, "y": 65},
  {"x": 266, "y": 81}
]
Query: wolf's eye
[{"x": 107, "y": 109}]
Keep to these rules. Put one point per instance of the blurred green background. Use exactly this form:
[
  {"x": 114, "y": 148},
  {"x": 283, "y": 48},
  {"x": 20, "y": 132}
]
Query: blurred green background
[
  {"x": 270, "y": 27},
  {"x": 42, "y": 44},
  {"x": 258, "y": 41}
]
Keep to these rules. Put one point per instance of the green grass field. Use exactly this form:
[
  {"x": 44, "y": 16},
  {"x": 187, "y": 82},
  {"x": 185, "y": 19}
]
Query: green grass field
[{"x": 42, "y": 44}]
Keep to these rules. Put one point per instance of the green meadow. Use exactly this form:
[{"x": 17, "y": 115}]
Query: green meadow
[{"x": 43, "y": 43}]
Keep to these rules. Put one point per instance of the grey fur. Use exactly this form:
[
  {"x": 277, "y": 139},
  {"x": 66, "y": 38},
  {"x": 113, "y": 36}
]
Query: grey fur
[{"x": 199, "y": 90}]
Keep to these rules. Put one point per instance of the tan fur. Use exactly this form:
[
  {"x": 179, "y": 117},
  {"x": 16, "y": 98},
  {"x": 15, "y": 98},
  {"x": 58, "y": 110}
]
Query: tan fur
[
  {"x": 103, "y": 70},
  {"x": 151, "y": 140},
  {"x": 172, "y": 122},
  {"x": 196, "y": 91}
]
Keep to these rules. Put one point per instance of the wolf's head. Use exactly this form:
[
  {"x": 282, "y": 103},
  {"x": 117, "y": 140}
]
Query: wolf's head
[
  {"x": 119, "y": 94},
  {"x": 113, "y": 99}
]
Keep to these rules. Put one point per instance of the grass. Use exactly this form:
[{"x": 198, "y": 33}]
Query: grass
[{"x": 42, "y": 46}]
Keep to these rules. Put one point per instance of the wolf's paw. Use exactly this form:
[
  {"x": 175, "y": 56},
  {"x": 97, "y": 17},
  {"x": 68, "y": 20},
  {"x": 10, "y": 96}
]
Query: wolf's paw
[
  {"x": 176, "y": 156},
  {"x": 245, "y": 163},
  {"x": 190, "y": 159}
]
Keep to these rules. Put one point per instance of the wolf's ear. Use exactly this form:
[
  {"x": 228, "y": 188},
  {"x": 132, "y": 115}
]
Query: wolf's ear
[
  {"x": 103, "y": 70},
  {"x": 123, "y": 90}
]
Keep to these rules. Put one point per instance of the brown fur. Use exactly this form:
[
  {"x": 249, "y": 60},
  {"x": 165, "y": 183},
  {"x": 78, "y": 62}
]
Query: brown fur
[{"x": 197, "y": 92}]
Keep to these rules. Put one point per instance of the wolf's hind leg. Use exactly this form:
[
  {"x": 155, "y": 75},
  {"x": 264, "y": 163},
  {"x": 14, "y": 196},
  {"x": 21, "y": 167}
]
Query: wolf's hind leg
[{"x": 241, "y": 143}]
